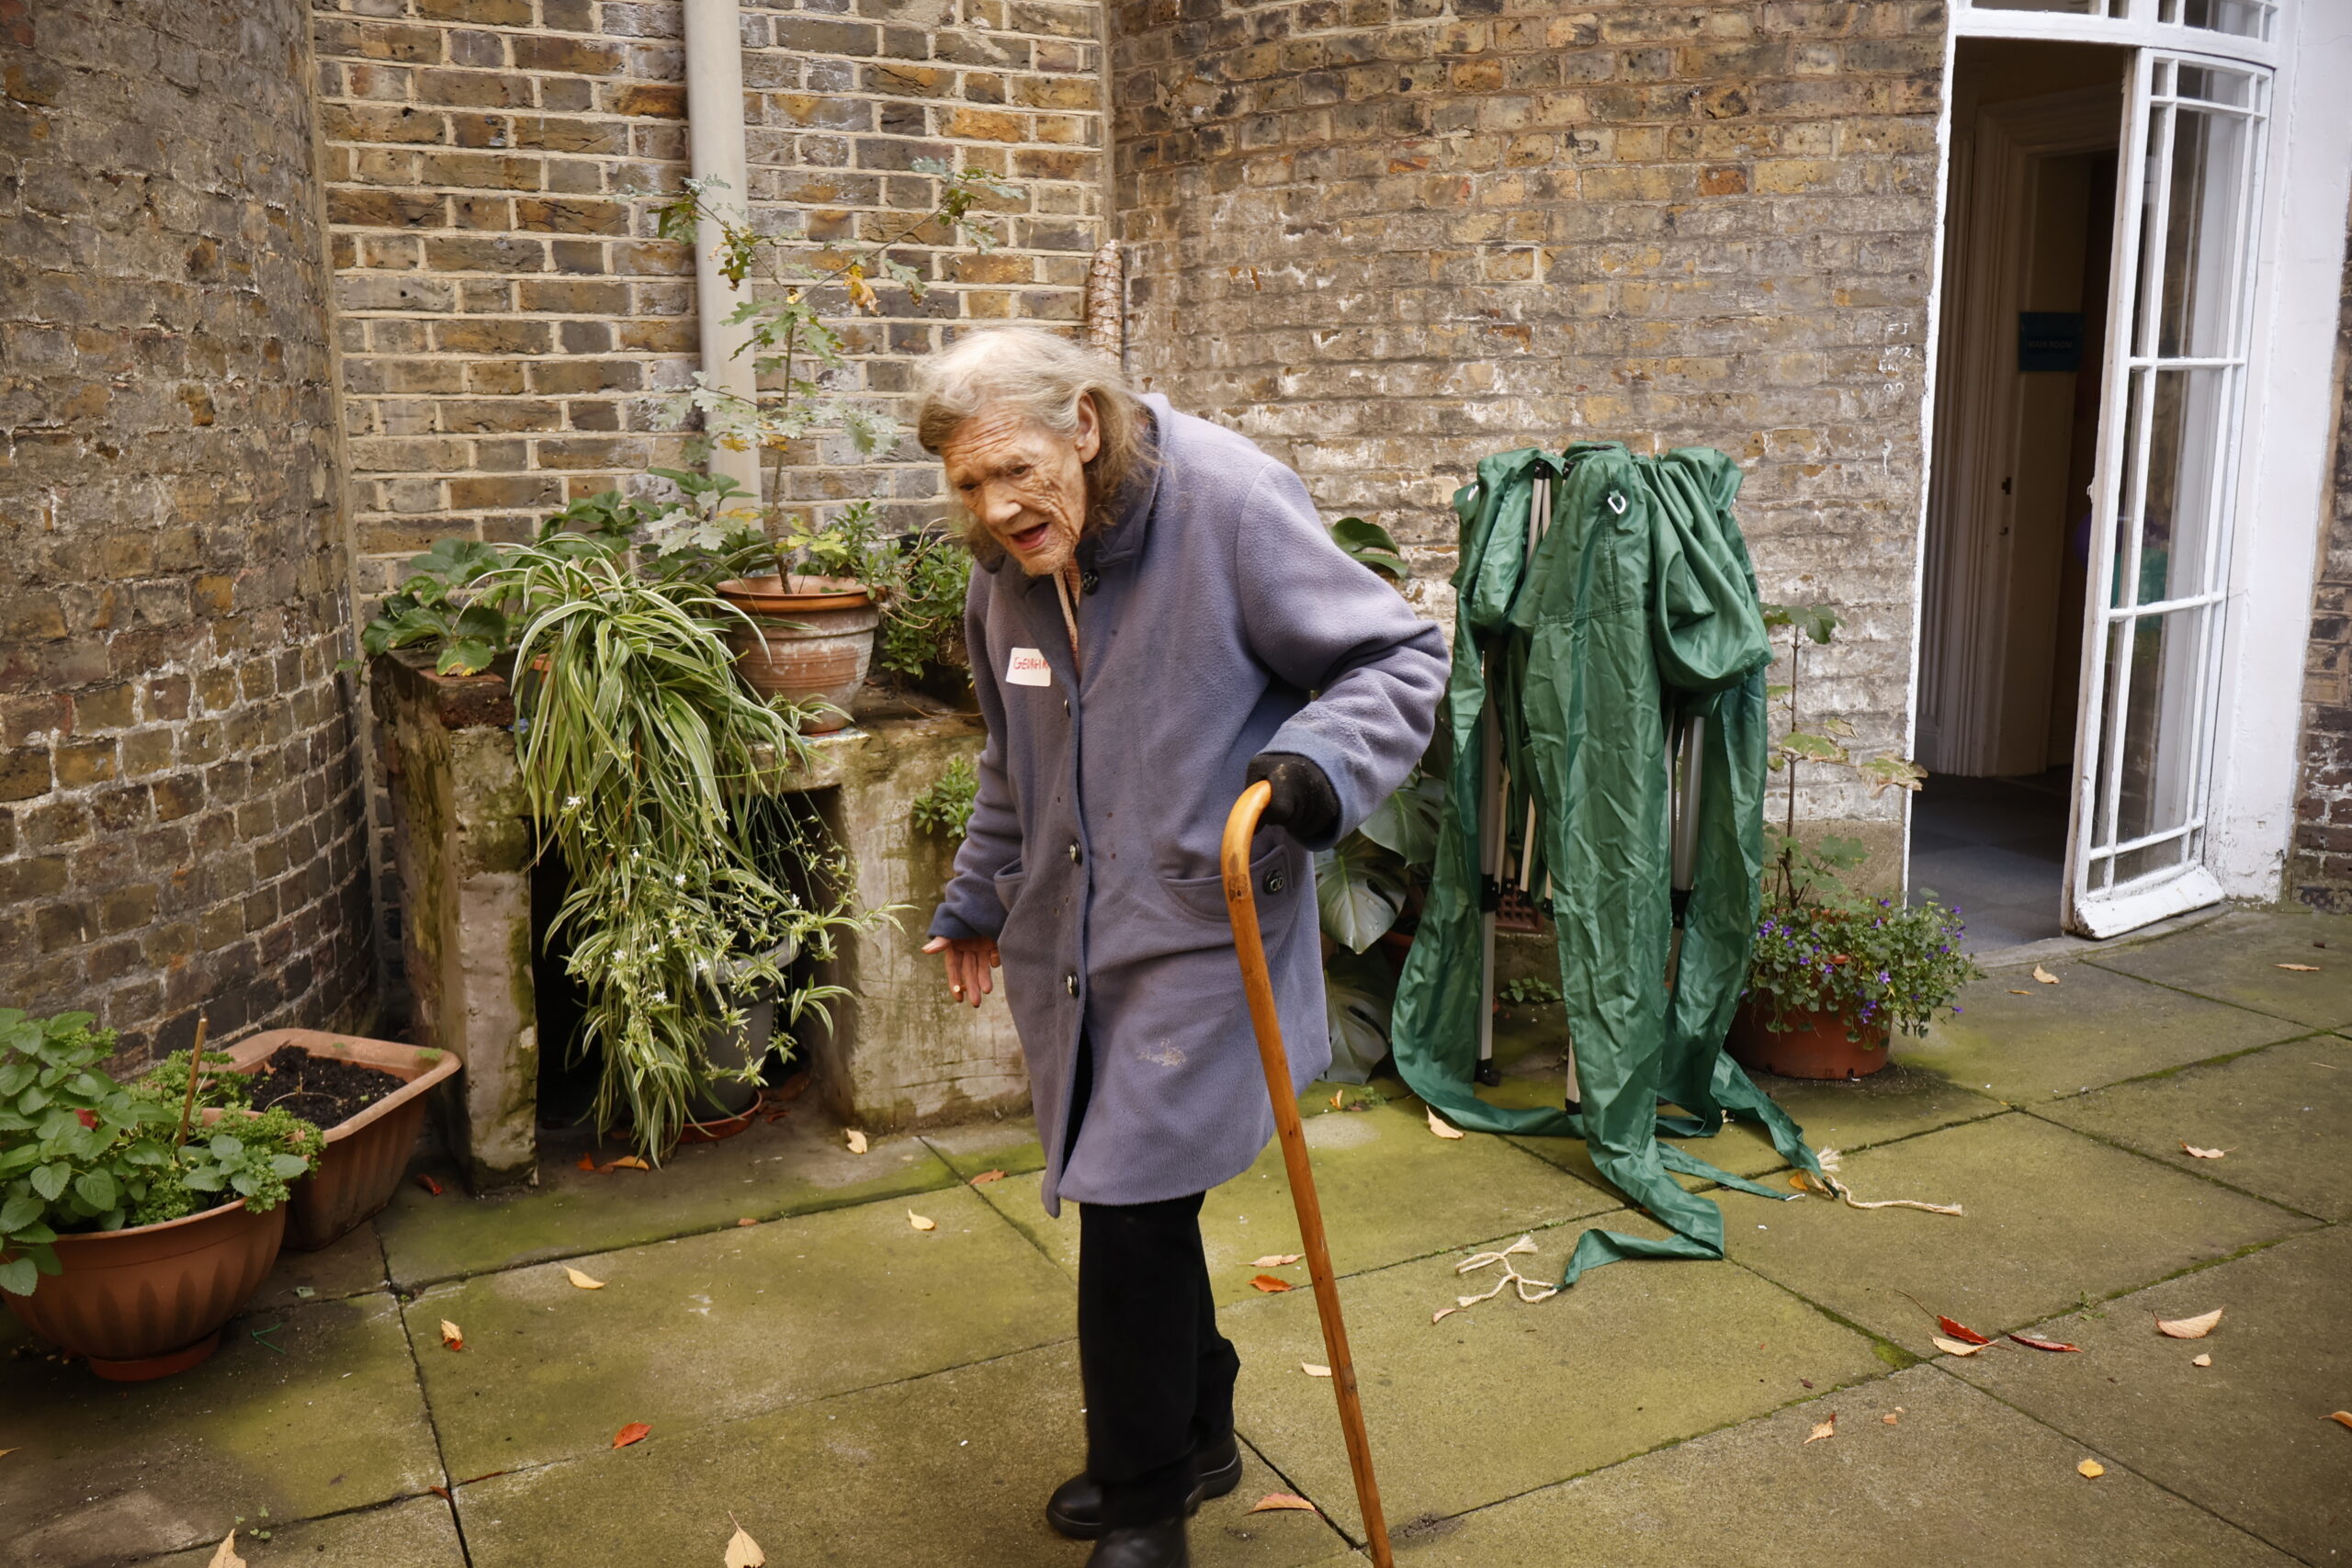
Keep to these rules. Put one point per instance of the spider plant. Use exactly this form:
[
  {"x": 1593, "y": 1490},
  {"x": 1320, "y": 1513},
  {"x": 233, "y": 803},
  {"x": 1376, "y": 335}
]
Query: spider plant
[{"x": 638, "y": 746}]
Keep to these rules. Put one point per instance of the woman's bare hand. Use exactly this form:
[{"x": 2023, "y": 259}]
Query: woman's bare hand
[{"x": 969, "y": 959}]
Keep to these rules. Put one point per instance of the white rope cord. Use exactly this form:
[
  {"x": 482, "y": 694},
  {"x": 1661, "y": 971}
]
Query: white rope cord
[
  {"x": 1839, "y": 1190},
  {"x": 1511, "y": 1276}
]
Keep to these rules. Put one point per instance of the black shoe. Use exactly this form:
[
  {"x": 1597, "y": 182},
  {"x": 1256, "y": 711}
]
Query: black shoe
[
  {"x": 1143, "y": 1546},
  {"x": 1075, "y": 1508}
]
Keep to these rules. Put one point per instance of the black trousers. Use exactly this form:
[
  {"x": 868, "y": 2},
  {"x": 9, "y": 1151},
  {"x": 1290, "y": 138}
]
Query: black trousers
[{"x": 1159, "y": 1376}]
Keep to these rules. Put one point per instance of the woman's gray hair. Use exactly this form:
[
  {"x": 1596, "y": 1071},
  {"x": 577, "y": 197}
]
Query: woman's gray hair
[{"x": 1040, "y": 376}]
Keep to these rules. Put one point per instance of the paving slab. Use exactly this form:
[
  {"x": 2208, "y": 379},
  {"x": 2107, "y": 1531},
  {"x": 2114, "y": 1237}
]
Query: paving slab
[
  {"x": 2236, "y": 959},
  {"x": 1009, "y": 1145},
  {"x": 2282, "y": 1117},
  {"x": 705, "y": 1328},
  {"x": 351, "y": 1266},
  {"x": 419, "y": 1533},
  {"x": 2095, "y": 1027},
  {"x": 1505, "y": 1396},
  {"x": 950, "y": 1469},
  {"x": 2050, "y": 1216},
  {"x": 2247, "y": 1437},
  {"x": 800, "y": 1165},
  {"x": 1959, "y": 1479},
  {"x": 331, "y": 1419},
  {"x": 1390, "y": 1190}
]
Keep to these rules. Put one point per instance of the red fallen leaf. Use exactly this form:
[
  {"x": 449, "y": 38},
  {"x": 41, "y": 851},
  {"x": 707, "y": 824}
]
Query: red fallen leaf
[
  {"x": 1270, "y": 1285},
  {"x": 635, "y": 1432},
  {"x": 587, "y": 1162},
  {"x": 1274, "y": 1502},
  {"x": 2030, "y": 1343},
  {"x": 429, "y": 1185},
  {"x": 1962, "y": 1333},
  {"x": 986, "y": 1177},
  {"x": 747, "y": 1220},
  {"x": 440, "y": 1492}
]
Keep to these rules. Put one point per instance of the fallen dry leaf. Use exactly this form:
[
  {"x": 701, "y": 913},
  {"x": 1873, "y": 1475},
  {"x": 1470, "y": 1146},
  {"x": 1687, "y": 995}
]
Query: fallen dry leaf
[
  {"x": 440, "y": 1492},
  {"x": 429, "y": 1185},
  {"x": 2341, "y": 1418},
  {"x": 747, "y": 1220},
  {"x": 2030, "y": 1343},
  {"x": 452, "y": 1335},
  {"x": 856, "y": 1140},
  {"x": 2299, "y": 968},
  {"x": 742, "y": 1552},
  {"x": 1270, "y": 1285},
  {"x": 1443, "y": 1313},
  {"x": 986, "y": 1177},
  {"x": 921, "y": 1221},
  {"x": 1954, "y": 1347},
  {"x": 2195, "y": 1153},
  {"x": 2204, "y": 1360},
  {"x": 2188, "y": 1327},
  {"x": 1962, "y": 1332},
  {"x": 2020, "y": 992},
  {"x": 635, "y": 1432},
  {"x": 2091, "y": 1468},
  {"x": 628, "y": 1162},
  {"x": 6, "y": 1452},
  {"x": 1441, "y": 1129},
  {"x": 225, "y": 1555},
  {"x": 1276, "y": 1260},
  {"x": 1335, "y": 1098},
  {"x": 580, "y": 1281},
  {"x": 2043, "y": 975},
  {"x": 588, "y": 1162},
  {"x": 1273, "y": 1501},
  {"x": 1311, "y": 1370},
  {"x": 1890, "y": 1420},
  {"x": 1823, "y": 1429}
]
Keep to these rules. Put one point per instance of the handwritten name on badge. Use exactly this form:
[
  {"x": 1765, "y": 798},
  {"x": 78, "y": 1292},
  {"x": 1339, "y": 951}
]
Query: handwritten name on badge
[{"x": 1028, "y": 669}]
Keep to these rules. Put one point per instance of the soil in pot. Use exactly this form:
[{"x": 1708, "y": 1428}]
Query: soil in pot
[
  {"x": 319, "y": 1089},
  {"x": 1811, "y": 1045}
]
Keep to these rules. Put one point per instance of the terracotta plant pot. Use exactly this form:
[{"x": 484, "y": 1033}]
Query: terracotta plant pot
[
  {"x": 150, "y": 1301},
  {"x": 365, "y": 1156},
  {"x": 814, "y": 641},
  {"x": 1814, "y": 1045}
]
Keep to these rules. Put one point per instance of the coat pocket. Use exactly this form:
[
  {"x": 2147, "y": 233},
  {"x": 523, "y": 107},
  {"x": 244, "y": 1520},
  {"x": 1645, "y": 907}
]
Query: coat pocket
[
  {"x": 1276, "y": 879},
  {"x": 1008, "y": 885}
]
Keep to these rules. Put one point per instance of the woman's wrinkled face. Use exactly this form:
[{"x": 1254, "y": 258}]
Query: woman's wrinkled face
[{"x": 1026, "y": 483}]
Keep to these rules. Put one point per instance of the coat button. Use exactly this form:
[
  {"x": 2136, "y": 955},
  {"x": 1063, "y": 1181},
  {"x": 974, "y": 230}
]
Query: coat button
[
  {"x": 1274, "y": 883},
  {"x": 1070, "y": 983},
  {"x": 1065, "y": 705},
  {"x": 1087, "y": 582},
  {"x": 1073, "y": 854}
]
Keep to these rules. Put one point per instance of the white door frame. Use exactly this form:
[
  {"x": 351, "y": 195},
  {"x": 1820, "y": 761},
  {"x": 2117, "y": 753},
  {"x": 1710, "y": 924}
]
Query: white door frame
[{"x": 2290, "y": 407}]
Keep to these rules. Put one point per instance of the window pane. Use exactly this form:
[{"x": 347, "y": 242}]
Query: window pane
[
  {"x": 2179, "y": 517},
  {"x": 2149, "y": 859},
  {"x": 2217, "y": 87},
  {"x": 2127, "y": 506},
  {"x": 2239, "y": 18},
  {"x": 2199, "y": 312},
  {"x": 2070, "y": 8},
  {"x": 2158, "y": 740}
]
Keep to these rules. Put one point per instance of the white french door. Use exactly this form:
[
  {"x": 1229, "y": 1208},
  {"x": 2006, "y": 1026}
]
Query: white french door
[{"x": 2181, "y": 298}]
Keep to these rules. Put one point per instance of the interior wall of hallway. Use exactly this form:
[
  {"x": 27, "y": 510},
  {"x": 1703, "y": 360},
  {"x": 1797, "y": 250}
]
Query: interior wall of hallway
[
  {"x": 1386, "y": 237},
  {"x": 180, "y": 822}
]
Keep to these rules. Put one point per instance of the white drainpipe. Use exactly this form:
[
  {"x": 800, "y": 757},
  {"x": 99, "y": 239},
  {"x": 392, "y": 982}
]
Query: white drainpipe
[{"x": 715, "y": 148}]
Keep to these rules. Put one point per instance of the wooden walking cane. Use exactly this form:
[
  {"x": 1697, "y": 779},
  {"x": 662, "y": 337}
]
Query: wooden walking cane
[{"x": 1239, "y": 901}]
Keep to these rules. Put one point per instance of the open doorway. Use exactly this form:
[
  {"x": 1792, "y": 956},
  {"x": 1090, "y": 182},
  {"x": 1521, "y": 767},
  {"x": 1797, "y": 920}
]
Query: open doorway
[{"x": 2029, "y": 247}]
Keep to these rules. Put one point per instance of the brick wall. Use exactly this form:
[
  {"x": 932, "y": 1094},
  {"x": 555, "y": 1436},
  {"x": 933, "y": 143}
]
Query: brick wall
[
  {"x": 1386, "y": 237},
  {"x": 2319, "y": 865},
  {"x": 180, "y": 821},
  {"x": 509, "y": 323}
]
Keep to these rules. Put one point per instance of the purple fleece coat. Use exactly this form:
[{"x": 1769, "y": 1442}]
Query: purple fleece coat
[{"x": 1218, "y": 621}]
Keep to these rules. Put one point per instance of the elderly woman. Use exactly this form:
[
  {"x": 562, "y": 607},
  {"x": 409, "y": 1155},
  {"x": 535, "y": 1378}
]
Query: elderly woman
[{"x": 1158, "y": 619}]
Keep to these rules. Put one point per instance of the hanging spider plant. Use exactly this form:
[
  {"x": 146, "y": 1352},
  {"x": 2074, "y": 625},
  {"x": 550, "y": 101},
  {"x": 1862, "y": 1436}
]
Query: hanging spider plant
[{"x": 638, "y": 746}]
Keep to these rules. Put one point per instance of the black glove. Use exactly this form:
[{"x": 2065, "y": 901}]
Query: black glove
[{"x": 1304, "y": 800}]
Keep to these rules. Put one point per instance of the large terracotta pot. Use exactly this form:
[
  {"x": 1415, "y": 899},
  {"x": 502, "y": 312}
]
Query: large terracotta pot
[
  {"x": 1814, "y": 1045},
  {"x": 150, "y": 1301},
  {"x": 365, "y": 1156},
  {"x": 813, "y": 644}
]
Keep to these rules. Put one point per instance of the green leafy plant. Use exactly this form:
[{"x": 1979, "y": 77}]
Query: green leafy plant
[
  {"x": 945, "y": 808},
  {"x": 1371, "y": 544},
  {"x": 1820, "y": 946},
  {"x": 1527, "y": 991},
  {"x": 923, "y": 610},
  {"x": 637, "y": 739},
  {"x": 81, "y": 1152}
]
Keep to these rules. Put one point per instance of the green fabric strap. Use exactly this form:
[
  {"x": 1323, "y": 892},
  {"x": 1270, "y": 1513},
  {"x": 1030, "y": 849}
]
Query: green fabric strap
[{"x": 1638, "y": 608}]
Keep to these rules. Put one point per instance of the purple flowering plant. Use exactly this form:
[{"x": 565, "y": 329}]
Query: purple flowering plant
[{"x": 1820, "y": 946}]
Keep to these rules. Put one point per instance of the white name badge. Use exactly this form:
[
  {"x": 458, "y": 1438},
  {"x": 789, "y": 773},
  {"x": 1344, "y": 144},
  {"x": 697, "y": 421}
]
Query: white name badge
[{"x": 1028, "y": 669}]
